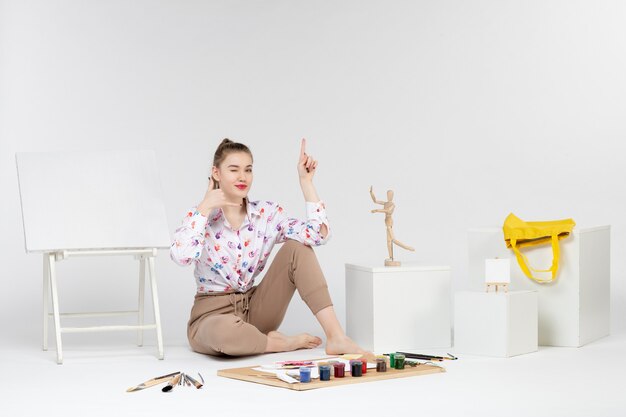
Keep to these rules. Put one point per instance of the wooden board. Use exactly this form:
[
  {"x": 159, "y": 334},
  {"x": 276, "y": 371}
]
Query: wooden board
[{"x": 249, "y": 374}]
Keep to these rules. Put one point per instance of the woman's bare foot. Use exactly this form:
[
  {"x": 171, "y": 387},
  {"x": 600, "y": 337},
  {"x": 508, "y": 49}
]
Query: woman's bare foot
[
  {"x": 278, "y": 342},
  {"x": 343, "y": 344}
]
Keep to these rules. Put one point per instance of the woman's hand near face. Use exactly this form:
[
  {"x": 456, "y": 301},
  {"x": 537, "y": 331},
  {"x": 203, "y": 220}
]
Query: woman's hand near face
[
  {"x": 306, "y": 164},
  {"x": 214, "y": 198}
]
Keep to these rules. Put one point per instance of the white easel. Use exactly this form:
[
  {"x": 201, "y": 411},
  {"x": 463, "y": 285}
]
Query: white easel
[{"x": 79, "y": 188}]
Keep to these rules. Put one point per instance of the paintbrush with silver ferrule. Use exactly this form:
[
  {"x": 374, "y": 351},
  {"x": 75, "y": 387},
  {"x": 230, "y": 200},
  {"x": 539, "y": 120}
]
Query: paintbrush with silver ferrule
[{"x": 152, "y": 382}]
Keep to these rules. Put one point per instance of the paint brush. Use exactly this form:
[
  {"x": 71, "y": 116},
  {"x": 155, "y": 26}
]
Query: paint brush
[
  {"x": 428, "y": 357},
  {"x": 197, "y": 384},
  {"x": 278, "y": 375},
  {"x": 152, "y": 382},
  {"x": 173, "y": 382}
]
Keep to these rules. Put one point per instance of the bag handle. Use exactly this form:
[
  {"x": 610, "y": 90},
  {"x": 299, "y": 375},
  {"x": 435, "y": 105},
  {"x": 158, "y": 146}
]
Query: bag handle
[{"x": 522, "y": 260}]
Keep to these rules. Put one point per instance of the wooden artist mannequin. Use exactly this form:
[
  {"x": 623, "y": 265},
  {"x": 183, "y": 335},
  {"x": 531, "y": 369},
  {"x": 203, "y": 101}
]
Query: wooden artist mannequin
[{"x": 388, "y": 208}]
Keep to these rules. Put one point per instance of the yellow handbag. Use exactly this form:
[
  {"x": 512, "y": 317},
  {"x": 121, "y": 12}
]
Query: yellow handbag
[{"x": 520, "y": 234}]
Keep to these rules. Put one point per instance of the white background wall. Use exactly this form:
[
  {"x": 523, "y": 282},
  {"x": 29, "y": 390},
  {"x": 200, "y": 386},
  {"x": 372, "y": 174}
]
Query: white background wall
[{"x": 467, "y": 109}]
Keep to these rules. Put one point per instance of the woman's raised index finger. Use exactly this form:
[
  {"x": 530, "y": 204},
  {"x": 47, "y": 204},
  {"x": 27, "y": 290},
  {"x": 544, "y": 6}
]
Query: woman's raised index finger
[{"x": 302, "y": 147}]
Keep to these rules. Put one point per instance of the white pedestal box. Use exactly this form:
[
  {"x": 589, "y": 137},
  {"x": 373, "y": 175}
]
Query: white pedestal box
[
  {"x": 490, "y": 324},
  {"x": 398, "y": 308},
  {"x": 573, "y": 310}
]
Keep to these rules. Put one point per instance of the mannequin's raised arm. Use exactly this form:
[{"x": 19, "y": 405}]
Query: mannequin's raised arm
[{"x": 374, "y": 197}]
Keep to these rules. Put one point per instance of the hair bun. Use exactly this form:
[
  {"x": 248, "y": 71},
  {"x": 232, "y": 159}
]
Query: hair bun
[{"x": 227, "y": 146}]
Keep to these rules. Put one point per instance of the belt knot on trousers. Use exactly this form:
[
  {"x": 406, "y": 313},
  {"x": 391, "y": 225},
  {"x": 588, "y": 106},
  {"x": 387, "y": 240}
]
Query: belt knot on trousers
[{"x": 244, "y": 298}]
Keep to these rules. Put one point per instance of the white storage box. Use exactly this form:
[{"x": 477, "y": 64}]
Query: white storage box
[
  {"x": 573, "y": 310},
  {"x": 490, "y": 324},
  {"x": 398, "y": 308}
]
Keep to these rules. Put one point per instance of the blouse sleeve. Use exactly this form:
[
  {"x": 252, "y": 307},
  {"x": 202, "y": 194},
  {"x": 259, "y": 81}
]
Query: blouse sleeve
[
  {"x": 189, "y": 238},
  {"x": 307, "y": 232}
]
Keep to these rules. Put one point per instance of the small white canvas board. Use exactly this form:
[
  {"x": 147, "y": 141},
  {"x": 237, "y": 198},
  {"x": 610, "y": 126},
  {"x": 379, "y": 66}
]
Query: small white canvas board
[
  {"x": 498, "y": 270},
  {"x": 91, "y": 200}
]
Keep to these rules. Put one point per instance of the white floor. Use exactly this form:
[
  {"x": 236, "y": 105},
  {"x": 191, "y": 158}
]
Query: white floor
[{"x": 588, "y": 381}]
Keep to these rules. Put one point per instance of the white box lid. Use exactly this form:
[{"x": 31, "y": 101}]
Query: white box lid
[{"x": 408, "y": 267}]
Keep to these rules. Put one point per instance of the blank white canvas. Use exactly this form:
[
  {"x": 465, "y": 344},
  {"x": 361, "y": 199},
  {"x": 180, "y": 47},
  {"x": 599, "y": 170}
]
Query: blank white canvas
[
  {"x": 497, "y": 270},
  {"x": 91, "y": 200}
]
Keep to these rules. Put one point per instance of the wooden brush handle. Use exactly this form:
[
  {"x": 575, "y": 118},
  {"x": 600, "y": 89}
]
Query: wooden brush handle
[
  {"x": 170, "y": 385},
  {"x": 149, "y": 384}
]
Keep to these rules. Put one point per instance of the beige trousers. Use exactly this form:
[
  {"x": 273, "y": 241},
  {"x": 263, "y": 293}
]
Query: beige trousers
[{"x": 237, "y": 324}]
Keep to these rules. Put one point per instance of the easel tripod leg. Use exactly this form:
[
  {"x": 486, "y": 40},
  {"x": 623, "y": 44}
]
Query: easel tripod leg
[
  {"x": 155, "y": 304},
  {"x": 142, "y": 286},
  {"x": 46, "y": 299},
  {"x": 55, "y": 306}
]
